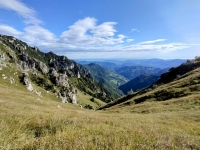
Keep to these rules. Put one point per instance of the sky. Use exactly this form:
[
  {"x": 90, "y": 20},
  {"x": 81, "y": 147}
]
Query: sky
[{"x": 106, "y": 29}]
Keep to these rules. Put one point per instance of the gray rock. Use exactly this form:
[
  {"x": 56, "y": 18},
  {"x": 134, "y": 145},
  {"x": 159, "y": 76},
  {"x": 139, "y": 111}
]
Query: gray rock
[{"x": 27, "y": 82}]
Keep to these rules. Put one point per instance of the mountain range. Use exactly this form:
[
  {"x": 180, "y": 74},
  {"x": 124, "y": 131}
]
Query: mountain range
[
  {"x": 131, "y": 72},
  {"x": 117, "y": 63},
  {"x": 179, "y": 83},
  {"x": 138, "y": 83}
]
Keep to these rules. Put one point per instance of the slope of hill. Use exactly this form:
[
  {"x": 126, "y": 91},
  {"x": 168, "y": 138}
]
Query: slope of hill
[
  {"x": 107, "y": 77},
  {"x": 180, "y": 83},
  {"x": 138, "y": 83},
  {"x": 131, "y": 72},
  {"x": 54, "y": 73},
  {"x": 27, "y": 123}
]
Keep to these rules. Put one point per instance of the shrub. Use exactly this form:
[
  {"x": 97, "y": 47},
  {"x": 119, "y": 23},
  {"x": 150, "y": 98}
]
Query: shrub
[{"x": 92, "y": 99}]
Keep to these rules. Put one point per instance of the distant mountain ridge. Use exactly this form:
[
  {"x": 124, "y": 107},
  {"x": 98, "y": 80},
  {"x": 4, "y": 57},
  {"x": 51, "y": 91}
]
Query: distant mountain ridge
[
  {"x": 138, "y": 83},
  {"x": 131, "y": 72},
  {"x": 155, "y": 63}
]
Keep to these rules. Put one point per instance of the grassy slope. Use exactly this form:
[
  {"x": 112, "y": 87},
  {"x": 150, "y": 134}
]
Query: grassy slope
[{"x": 30, "y": 124}]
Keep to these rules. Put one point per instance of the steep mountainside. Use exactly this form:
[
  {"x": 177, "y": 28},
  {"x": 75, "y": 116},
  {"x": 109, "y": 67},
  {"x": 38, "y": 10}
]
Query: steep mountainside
[
  {"x": 138, "y": 83},
  {"x": 131, "y": 72},
  {"x": 106, "y": 76},
  {"x": 54, "y": 73},
  {"x": 180, "y": 84}
]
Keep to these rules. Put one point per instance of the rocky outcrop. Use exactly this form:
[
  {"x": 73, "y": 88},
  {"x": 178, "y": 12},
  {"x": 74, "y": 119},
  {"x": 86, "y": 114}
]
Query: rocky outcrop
[
  {"x": 73, "y": 98},
  {"x": 78, "y": 75},
  {"x": 26, "y": 80},
  {"x": 44, "y": 69},
  {"x": 53, "y": 72},
  {"x": 72, "y": 95},
  {"x": 63, "y": 98},
  {"x": 23, "y": 65},
  {"x": 62, "y": 80},
  {"x": 2, "y": 57}
]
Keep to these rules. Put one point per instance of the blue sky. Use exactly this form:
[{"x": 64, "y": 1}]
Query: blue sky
[{"x": 107, "y": 29}]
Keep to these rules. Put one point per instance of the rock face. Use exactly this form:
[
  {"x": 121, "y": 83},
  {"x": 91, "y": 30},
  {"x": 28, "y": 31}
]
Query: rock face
[
  {"x": 62, "y": 80},
  {"x": 44, "y": 69},
  {"x": 2, "y": 59},
  {"x": 73, "y": 97},
  {"x": 27, "y": 82},
  {"x": 63, "y": 98}
]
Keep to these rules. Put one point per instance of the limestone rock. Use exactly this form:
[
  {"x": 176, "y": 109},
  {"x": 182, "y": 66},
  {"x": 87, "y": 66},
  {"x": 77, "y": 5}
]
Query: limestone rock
[
  {"x": 62, "y": 80},
  {"x": 53, "y": 72},
  {"x": 27, "y": 82},
  {"x": 23, "y": 65},
  {"x": 43, "y": 68},
  {"x": 63, "y": 98},
  {"x": 2, "y": 57}
]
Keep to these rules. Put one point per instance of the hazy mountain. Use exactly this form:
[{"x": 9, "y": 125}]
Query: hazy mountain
[
  {"x": 138, "y": 83},
  {"x": 155, "y": 63},
  {"x": 105, "y": 64},
  {"x": 131, "y": 72}
]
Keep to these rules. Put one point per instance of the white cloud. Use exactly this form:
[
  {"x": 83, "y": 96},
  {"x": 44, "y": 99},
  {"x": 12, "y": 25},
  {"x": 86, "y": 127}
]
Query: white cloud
[
  {"x": 33, "y": 33},
  {"x": 153, "y": 41},
  {"x": 158, "y": 47},
  {"x": 20, "y": 8},
  {"x": 87, "y": 32},
  {"x": 134, "y": 29},
  {"x": 129, "y": 40},
  {"x": 8, "y": 30},
  {"x": 104, "y": 30},
  {"x": 39, "y": 33}
]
